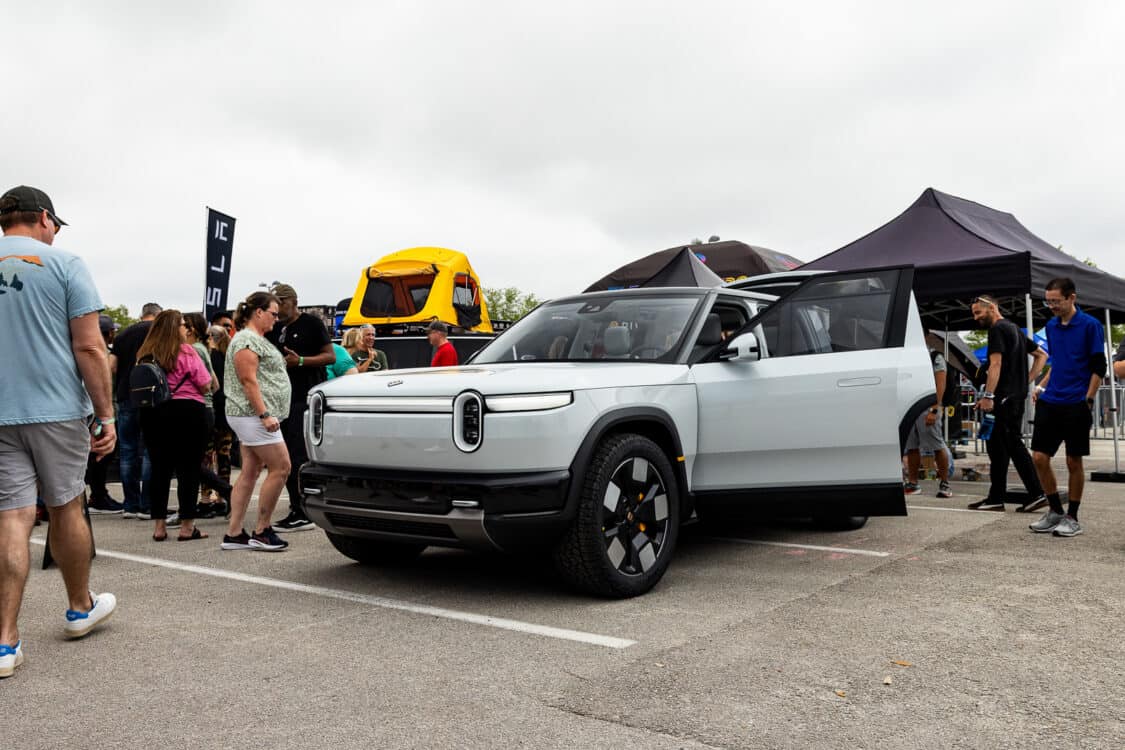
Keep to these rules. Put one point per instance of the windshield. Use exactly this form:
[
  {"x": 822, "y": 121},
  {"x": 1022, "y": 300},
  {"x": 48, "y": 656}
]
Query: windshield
[{"x": 630, "y": 327}]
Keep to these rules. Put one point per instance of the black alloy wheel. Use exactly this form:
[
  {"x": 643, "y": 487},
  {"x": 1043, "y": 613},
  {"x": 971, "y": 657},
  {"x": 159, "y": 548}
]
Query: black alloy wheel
[{"x": 628, "y": 520}]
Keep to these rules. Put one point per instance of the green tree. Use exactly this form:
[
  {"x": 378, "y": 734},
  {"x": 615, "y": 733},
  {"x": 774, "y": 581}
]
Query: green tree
[
  {"x": 509, "y": 303},
  {"x": 120, "y": 315}
]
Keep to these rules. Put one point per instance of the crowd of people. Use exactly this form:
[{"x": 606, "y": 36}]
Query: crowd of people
[
  {"x": 1063, "y": 397},
  {"x": 171, "y": 395}
]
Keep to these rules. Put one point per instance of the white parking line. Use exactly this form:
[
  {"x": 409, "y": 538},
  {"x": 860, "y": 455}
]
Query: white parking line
[
  {"x": 546, "y": 631},
  {"x": 950, "y": 510},
  {"x": 845, "y": 550}
]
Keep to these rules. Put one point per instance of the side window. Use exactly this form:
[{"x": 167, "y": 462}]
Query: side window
[
  {"x": 721, "y": 323},
  {"x": 834, "y": 314}
]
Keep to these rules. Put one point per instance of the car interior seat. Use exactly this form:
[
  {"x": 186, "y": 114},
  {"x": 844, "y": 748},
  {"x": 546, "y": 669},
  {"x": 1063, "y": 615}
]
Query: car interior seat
[
  {"x": 617, "y": 342},
  {"x": 711, "y": 335}
]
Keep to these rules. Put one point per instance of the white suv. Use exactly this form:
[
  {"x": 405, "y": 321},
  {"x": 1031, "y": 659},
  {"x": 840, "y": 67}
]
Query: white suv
[{"x": 598, "y": 423}]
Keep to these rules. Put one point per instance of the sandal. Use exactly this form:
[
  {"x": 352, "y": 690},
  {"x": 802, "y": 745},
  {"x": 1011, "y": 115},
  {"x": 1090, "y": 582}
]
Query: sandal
[
  {"x": 195, "y": 534},
  {"x": 160, "y": 538}
]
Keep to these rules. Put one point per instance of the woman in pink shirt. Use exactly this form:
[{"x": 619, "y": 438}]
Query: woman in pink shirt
[{"x": 175, "y": 432}]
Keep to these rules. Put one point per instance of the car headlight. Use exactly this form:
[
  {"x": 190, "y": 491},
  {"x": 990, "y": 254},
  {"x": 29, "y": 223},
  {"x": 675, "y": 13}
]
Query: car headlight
[
  {"x": 528, "y": 402},
  {"x": 316, "y": 418},
  {"x": 468, "y": 421}
]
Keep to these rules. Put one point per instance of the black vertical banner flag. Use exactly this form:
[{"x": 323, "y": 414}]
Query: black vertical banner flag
[{"x": 220, "y": 246}]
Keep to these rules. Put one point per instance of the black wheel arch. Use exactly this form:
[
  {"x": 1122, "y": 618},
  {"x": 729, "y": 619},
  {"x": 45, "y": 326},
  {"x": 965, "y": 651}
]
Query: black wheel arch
[{"x": 655, "y": 424}]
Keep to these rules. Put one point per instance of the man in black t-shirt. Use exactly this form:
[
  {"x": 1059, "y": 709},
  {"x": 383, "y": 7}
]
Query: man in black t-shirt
[
  {"x": 1005, "y": 392},
  {"x": 131, "y": 454},
  {"x": 307, "y": 348}
]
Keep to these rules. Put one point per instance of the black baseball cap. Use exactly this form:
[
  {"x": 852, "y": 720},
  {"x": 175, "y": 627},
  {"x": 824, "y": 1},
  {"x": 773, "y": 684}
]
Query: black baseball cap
[{"x": 24, "y": 198}]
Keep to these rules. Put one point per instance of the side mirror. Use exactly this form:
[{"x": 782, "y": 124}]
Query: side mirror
[{"x": 744, "y": 348}]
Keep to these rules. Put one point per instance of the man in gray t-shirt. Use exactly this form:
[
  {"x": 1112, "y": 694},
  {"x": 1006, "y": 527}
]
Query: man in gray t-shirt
[
  {"x": 56, "y": 407},
  {"x": 925, "y": 436}
]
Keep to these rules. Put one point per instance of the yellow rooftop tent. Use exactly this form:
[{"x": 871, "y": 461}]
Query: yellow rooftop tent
[{"x": 418, "y": 285}]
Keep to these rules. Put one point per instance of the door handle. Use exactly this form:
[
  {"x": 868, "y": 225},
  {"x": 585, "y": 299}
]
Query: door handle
[{"x": 858, "y": 382}]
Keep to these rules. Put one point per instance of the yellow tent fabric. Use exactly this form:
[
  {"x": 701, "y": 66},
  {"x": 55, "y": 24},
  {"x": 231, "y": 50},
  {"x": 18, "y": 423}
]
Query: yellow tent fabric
[{"x": 418, "y": 285}]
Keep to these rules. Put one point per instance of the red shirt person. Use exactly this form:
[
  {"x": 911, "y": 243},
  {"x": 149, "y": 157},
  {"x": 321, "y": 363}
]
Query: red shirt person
[{"x": 444, "y": 353}]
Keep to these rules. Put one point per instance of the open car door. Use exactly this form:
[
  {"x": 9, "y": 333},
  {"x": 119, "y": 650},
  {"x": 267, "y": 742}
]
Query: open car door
[{"x": 810, "y": 420}]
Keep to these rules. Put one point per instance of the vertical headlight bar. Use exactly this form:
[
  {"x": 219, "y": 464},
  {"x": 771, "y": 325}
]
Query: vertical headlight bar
[
  {"x": 316, "y": 418},
  {"x": 468, "y": 421}
]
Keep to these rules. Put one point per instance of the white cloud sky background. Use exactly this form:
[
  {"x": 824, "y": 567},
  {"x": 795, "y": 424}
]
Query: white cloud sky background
[{"x": 549, "y": 143}]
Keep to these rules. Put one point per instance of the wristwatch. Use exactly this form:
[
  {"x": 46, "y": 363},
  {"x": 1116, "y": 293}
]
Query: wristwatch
[
  {"x": 264, "y": 415},
  {"x": 1089, "y": 402},
  {"x": 934, "y": 410}
]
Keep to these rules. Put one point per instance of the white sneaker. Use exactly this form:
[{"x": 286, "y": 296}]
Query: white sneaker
[
  {"x": 79, "y": 624},
  {"x": 1047, "y": 523},
  {"x": 10, "y": 658},
  {"x": 1069, "y": 526}
]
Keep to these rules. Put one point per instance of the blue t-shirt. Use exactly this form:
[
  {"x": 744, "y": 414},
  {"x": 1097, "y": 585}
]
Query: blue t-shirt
[
  {"x": 42, "y": 289},
  {"x": 1071, "y": 347},
  {"x": 343, "y": 363}
]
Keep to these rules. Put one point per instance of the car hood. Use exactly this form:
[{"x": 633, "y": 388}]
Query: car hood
[{"x": 499, "y": 379}]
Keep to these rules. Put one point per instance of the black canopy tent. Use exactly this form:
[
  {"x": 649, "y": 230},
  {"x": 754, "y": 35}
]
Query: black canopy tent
[
  {"x": 685, "y": 269},
  {"x": 728, "y": 259},
  {"x": 960, "y": 249}
]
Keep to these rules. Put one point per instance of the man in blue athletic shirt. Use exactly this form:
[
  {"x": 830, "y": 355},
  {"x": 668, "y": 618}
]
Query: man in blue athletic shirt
[{"x": 1063, "y": 403}]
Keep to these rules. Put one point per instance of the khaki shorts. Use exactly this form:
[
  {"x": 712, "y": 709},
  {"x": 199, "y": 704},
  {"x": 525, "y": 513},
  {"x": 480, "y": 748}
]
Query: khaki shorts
[
  {"x": 47, "y": 460},
  {"x": 923, "y": 438}
]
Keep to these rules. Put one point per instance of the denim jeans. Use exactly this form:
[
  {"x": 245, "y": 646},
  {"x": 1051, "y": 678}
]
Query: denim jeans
[{"x": 132, "y": 459}]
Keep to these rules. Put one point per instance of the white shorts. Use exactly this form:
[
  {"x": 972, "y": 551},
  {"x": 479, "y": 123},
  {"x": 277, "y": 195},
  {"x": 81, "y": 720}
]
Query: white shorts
[{"x": 251, "y": 431}]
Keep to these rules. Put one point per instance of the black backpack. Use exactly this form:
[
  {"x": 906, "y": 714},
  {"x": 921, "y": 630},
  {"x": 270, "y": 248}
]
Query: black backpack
[{"x": 148, "y": 384}]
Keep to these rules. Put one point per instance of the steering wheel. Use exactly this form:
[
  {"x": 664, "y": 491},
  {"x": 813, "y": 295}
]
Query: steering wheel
[{"x": 643, "y": 352}]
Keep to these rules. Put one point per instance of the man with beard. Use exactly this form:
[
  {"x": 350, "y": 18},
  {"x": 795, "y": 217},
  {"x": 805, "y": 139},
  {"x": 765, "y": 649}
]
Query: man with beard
[
  {"x": 1062, "y": 412},
  {"x": 1005, "y": 392},
  {"x": 303, "y": 341}
]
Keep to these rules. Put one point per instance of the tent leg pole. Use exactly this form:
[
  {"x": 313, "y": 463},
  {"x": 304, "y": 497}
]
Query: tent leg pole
[
  {"x": 1115, "y": 475},
  {"x": 1029, "y": 405},
  {"x": 941, "y": 396}
]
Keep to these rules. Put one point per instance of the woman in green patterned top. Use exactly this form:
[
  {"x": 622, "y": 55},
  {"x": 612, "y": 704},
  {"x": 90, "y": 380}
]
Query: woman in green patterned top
[{"x": 257, "y": 389}]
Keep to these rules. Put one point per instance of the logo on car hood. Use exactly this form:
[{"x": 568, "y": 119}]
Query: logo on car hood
[{"x": 393, "y": 383}]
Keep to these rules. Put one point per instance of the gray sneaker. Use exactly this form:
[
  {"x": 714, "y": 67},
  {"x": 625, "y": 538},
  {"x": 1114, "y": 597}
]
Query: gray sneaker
[
  {"x": 1049, "y": 522},
  {"x": 1068, "y": 527}
]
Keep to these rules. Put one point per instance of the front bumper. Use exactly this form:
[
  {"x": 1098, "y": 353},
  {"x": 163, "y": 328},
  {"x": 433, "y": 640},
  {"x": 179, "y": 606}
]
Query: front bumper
[{"x": 493, "y": 511}]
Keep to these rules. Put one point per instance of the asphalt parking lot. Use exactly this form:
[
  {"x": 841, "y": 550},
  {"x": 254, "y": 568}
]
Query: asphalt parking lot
[{"x": 947, "y": 628}]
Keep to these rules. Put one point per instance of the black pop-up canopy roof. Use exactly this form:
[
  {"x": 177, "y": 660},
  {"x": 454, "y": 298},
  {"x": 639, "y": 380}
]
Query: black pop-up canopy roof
[
  {"x": 727, "y": 259},
  {"x": 961, "y": 249}
]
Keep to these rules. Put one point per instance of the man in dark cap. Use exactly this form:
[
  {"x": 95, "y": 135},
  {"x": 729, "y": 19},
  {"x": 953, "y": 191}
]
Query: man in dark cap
[
  {"x": 307, "y": 348},
  {"x": 48, "y": 425},
  {"x": 444, "y": 353}
]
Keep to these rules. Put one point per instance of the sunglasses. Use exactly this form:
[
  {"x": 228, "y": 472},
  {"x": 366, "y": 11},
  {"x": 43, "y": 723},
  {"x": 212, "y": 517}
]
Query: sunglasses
[
  {"x": 983, "y": 301},
  {"x": 270, "y": 312},
  {"x": 54, "y": 219},
  {"x": 1053, "y": 303}
]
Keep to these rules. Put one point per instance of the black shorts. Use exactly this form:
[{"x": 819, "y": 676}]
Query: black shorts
[{"x": 1058, "y": 423}]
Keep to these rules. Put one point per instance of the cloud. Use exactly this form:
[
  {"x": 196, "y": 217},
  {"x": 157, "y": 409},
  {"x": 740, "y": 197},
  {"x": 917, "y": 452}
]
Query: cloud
[{"x": 551, "y": 143}]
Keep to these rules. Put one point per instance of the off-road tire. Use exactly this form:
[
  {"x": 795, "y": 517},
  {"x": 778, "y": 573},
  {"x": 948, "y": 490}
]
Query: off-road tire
[
  {"x": 841, "y": 523},
  {"x": 583, "y": 555}
]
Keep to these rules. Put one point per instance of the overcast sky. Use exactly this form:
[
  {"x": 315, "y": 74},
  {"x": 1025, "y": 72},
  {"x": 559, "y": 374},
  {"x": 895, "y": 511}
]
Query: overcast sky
[{"x": 551, "y": 142}]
